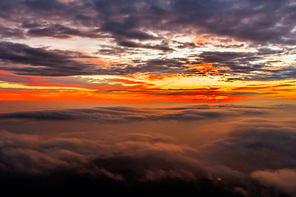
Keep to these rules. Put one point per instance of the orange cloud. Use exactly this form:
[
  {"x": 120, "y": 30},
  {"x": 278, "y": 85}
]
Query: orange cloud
[
  {"x": 206, "y": 67},
  {"x": 201, "y": 39},
  {"x": 104, "y": 62},
  {"x": 214, "y": 98},
  {"x": 138, "y": 88},
  {"x": 122, "y": 95},
  {"x": 2, "y": 72},
  {"x": 264, "y": 87},
  {"x": 273, "y": 67},
  {"x": 69, "y": 95},
  {"x": 161, "y": 77}
]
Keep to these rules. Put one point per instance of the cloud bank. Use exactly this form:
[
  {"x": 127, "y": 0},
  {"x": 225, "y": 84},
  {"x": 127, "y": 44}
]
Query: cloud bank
[{"x": 244, "y": 151}]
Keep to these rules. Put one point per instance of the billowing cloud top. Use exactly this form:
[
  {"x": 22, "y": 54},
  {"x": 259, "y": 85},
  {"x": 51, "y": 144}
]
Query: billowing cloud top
[{"x": 227, "y": 150}]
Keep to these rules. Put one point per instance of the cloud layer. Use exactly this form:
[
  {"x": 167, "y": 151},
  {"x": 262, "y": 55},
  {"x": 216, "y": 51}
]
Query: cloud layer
[
  {"x": 244, "y": 151},
  {"x": 262, "y": 31}
]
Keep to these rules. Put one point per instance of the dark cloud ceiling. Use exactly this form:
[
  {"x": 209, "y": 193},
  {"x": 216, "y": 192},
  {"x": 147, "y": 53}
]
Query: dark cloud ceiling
[{"x": 129, "y": 24}]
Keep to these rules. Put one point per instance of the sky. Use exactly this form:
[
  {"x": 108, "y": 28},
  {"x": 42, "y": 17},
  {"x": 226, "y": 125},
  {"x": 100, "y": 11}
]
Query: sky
[
  {"x": 148, "y": 97},
  {"x": 154, "y": 50}
]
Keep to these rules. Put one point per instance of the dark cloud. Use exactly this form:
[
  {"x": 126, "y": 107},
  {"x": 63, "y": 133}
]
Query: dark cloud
[
  {"x": 44, "y": 5},
  {"x": 182, "y": 45},
  {"x": 257, "y": 21},
  {"x": 287, "y": 72},
  {"x": 69, "y": 183},
  {"x": 248, "y": 20},
  {"x": 126, "y": 30},
  {"x": 147, "y": 46},
  {"x": 119, "y": 114},
  {"x": 11, "y": 33},
  {"x": 130, "y": 25},
  {"x": 31, "y": 24},
  {"x": 268, "y": 146},
  {"x": 61, "y": 31},
  {"x": 76, "y": 161},
  {"x": 40, "y": 60},
  {"x": 222, "y": 57},
  {"x": 44, "y": 62},
  {"x": 242, "y": 66},
  {"x": 157, "y": 66}
]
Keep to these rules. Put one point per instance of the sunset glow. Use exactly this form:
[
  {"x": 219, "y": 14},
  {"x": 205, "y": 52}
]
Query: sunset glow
[{"x": 148, "y": 98}]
